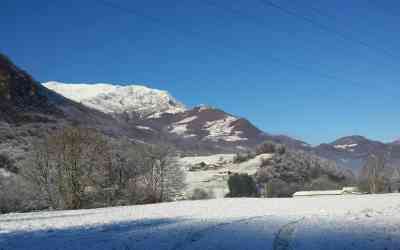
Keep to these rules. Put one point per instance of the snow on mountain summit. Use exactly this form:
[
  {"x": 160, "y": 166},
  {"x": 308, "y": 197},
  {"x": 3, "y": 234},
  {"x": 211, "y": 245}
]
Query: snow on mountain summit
[{"x": 118, "y": 99}]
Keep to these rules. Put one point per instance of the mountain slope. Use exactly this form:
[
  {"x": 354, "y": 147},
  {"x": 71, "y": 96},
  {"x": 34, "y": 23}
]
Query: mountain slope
[
  {"x": 214, "y": 129},
  {"x": 21, "y": 98},
  {"x": 212, "y": 124}
]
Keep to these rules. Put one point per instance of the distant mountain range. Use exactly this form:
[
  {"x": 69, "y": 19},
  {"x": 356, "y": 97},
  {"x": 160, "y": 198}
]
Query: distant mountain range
[
  {"x": 147, "y": 115},
  {"x": 396, "y": 141},
  {"x": 353, "y": 151}
]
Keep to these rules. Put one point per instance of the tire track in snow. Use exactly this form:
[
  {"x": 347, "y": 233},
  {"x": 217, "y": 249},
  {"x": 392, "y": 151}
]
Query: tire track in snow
[
  {"x": 198, "y": 235},
  {"x": 284, "y": 236}
]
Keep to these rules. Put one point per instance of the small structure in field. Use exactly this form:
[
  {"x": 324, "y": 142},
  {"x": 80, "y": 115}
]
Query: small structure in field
[{"x": 343, "y": 191}]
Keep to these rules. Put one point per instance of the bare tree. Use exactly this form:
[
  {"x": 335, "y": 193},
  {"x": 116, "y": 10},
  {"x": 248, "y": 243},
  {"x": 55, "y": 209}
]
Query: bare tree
[
  {"x": 164, "y": 178},
  {"x": 173, "y": 180},
  {"x": 130, "y": 166},
  {"x": 68, "y": 163},
  {"x": 373, "y": 173},
  {"x": 78, "y": 167},
  {"x": 147, "y": 173}
]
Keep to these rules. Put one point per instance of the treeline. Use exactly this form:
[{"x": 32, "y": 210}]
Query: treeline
[
  {"x": 74, "y": 167},
  {"x": 286, "y": 172},
  {"x": 290, "y": 171}
]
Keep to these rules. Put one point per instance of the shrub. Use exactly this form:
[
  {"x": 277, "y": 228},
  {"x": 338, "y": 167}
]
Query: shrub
[
  {"x": 270, "y": 147},
  {"x": 267, "y": 147},
  {"x": 280, "y": 149},
  {"x": 279, "y": 188},
  {"x": 324, "y": 182},
  {"x": 241, "y": 185},
  {"x": 16, "y": 195},
  {"x": 242, "y": 157},
  {"x": 7, "y": 163},
  {"x": 201, "y": 194}
]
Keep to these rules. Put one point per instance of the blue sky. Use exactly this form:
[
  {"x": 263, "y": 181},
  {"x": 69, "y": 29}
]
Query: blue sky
[{"x": 286, "y": 75}]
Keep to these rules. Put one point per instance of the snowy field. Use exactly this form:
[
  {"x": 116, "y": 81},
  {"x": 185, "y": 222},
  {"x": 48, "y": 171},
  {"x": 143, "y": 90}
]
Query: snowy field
[
  {"x": 340, "y": 222},
  {"x": 215, "y": 180}
]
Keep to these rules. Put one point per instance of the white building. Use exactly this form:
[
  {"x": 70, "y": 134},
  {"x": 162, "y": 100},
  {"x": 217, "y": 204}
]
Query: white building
[{"x": 343, "y": 191}]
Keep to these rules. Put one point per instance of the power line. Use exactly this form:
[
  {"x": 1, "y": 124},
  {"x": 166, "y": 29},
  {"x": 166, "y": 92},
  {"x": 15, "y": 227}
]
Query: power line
[
  {"x": 272, "y": 58},
  {"x": 300, "y": 67},
  {"x": 318, "y": 12},
  {"x": 134, "y": 12},
  {"x": 127, "y": 10},
  {"x": 265, "y": 2},
  {"x": 324, "y": 27},
  {"x": 281, "y": 61},
  {"x": 383, "y": 9}
]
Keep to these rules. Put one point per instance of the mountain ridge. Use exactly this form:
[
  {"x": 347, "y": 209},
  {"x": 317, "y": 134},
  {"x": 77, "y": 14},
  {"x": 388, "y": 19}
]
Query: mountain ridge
[{"x": 119, "y": 98}]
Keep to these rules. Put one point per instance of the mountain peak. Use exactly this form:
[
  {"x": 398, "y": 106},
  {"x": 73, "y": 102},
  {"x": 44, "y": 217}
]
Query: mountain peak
[
  {"x": 203, "y": 107},
  {"x": 349, "y": 140},
  {"x": 119, "y": 99},
  {"x": 397, "y": 141}
]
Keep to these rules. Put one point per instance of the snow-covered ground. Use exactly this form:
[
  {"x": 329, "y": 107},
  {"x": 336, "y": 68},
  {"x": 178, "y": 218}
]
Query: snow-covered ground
[
  {"x": 215, "y": 179},
  {"x": 4, "y": 173},
  {"x": 208, "y": 159},
  {"x": 223, "y": 130},
  {"x": 339, "y": 222}
]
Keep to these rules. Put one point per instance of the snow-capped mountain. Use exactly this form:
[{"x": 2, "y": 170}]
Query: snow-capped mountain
[{"x": 134, "y": 100}]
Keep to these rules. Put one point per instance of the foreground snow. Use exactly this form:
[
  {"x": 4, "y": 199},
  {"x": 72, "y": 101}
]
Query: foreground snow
[{"x": 340, "y": 222}]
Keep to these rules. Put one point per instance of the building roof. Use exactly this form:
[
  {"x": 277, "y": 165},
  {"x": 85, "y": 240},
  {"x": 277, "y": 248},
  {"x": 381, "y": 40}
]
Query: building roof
[
  {"x": 345, "y": 190},
  {"x": 318, "y": 192}
]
